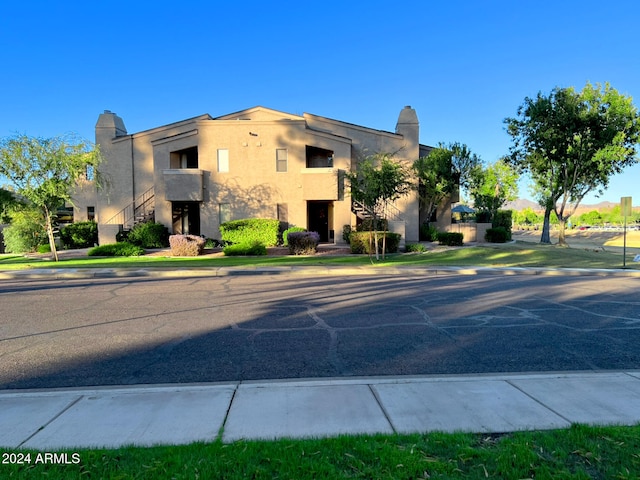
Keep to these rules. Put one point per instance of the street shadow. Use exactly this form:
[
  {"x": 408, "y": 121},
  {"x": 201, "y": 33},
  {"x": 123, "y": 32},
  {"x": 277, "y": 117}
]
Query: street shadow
[{"x": 299, "y": 327}]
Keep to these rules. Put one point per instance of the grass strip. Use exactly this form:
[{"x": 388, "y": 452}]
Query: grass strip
[
  {"x": 519, "y": 254},
  {"x": 580, "y": 452}
]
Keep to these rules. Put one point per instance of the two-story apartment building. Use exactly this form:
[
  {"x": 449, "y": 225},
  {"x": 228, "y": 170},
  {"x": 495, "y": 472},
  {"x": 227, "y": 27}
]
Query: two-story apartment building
[{"x": 195, "y": 174}]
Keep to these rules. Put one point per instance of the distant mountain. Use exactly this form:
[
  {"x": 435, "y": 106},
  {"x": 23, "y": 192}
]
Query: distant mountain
[{"x": 521, "y": 204}]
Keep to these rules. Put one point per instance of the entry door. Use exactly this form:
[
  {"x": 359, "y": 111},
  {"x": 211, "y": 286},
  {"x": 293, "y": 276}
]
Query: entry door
[
  {"x": 318, "y": 219},
  {"x": 186, "y": 218}
]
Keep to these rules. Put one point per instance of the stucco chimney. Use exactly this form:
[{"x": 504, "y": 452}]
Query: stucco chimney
[
  {"x": 408, "y": 125},
  {"x": 110, "y": 126}
]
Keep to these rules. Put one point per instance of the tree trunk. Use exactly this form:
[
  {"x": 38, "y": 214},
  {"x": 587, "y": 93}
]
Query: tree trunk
[
  {"x": 52, "y": 240},
  {"x": 546, "y": 237},
  {"x": 562, "y": 222},
  {"x": 375, "y": 236}
]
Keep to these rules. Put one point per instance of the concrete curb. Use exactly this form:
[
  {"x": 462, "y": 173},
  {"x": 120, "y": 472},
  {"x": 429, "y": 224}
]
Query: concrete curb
[{"x": 90, "y": 273}]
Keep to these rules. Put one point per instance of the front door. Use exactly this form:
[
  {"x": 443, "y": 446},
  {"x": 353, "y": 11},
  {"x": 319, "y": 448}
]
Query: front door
[
  {"x": 318, "y": 219},
  {"x": 186, "y": 218}
]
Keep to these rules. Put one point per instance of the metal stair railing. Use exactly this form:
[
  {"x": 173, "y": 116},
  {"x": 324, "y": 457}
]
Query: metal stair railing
[
  {"x": 386, "y": 210},
  {"x": 138, "y": 211}
]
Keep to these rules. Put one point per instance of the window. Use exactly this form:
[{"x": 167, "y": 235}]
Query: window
[
  {"x": 319, "y": 157},
  {"x": 224, "y": 212},
  {"x": 281, "y": 160},
  {"x": 223, "y": 160},
  {"x": 90, "y": 173},
  {"x": 187, "y": 158},
  {"x": 91, "y": 214}
]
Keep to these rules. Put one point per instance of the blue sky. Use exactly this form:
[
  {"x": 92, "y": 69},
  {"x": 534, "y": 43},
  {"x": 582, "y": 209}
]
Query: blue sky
[{"x": 463, "y": 65}]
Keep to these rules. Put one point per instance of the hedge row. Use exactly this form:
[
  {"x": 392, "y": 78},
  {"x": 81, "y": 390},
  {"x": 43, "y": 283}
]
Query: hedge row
[{"x": 251, "y": 230}]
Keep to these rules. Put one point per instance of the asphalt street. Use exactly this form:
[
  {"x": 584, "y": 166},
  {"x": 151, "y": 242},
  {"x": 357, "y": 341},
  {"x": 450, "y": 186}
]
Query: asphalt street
[{"x": 122, "y": 331}]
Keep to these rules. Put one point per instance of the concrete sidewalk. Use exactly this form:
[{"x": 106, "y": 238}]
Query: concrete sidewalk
[{"x": 179, "y": 414}]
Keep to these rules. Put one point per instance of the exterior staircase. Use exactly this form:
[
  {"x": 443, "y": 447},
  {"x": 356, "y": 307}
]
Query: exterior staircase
[
  {"x": 387, "y": 210},
  {"x": 141, "y": 210}
]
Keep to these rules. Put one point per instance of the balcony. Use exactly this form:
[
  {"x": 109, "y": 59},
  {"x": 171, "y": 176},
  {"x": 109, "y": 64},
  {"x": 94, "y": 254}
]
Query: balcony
[
  {"x": 322, "y": 184},
  {"x": 183, "y": 184}
]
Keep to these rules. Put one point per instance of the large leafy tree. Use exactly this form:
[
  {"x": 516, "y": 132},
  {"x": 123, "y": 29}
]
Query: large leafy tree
[
  {"x": 492, "y": 186},
  {"x": 44, "y": 171},
  {"x": 571, "y": 143},
  {"x": 442, "y": 172},
  {"x": 378, "y": 181}
]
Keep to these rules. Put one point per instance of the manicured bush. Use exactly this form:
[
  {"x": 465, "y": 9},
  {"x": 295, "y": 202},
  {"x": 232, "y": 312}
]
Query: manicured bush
[
  {"x": 360, "y": 242},
  {"x": 79, "y": 235},
  {"x": 346, "y": 233},
  {"x": 503, "y": 219},
  {"x": 149, "y": 235},
  {"x": 248, "y": 231},
  {"x": 285, "y": 234},
  {"x": 497, "y": 235},
  {"x": 303, "y": 243},
  {"x": 186, "y": 245},
  {"x": 122, "y": 249},
  {"x": 452, "y": 239},
  {"x": 238, "y": 249},
  {"x": 25, "y": 233},
  {"x": 428, "y": 233},
  {"x": 415, "y": 248},
  {"x": 367, "y": 225}
]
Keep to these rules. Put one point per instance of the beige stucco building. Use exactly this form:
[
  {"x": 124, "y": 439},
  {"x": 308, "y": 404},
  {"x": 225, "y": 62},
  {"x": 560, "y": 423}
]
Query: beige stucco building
[{"x": 195, "y": 174}]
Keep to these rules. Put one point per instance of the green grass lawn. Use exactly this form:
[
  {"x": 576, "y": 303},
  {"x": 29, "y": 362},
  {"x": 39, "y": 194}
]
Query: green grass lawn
[
  {"x": 579, "y": 452},
  {"x": 519, "y": 254}
]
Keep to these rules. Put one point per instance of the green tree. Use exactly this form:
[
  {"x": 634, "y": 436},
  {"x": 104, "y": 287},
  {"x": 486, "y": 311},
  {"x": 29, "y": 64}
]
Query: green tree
[
  {"x": 571, "y": 143},
  {"x": 442, "y": 172},
  {"x": 44, "y": 171},
  {"x": 8, "y": 203},
  {"x": 491, "y": 187},
  {"x": 26, "y": 231},
  {"x": 378, "y": 181},
  {"x": 527, "y": 216},
  {"x": 591, "y": 218}
]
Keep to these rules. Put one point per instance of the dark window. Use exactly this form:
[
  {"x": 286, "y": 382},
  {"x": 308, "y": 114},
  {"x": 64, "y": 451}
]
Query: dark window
[{"x": 319, "y": 157}]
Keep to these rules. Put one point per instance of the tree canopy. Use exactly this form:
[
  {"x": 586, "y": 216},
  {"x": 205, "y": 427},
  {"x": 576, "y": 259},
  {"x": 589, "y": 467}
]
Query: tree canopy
[
  {"x": 571, "y": 143},
  {"x": 492, "y": 186},
  {"x": 43, "y": 171},
  {"x": 378, "y": 181},
  {"x": 442, "y": 172}
]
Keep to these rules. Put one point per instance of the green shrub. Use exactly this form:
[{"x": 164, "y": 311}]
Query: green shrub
[
  {"x": 415, "y": 248},
  {"x": 238, "y": 249},
  {"x": 367, "y": 225},
  {"x": 452, "y": 239},
  {"x": 497, "y": 235},
  {"x": 25, "y": 233},
  {"x": 360, "y": 242},
  {"x": 149, "y": 235},
  {"x": 122, "y": 249},
  {"x": 503, "y": 219},
  {"x": 46, "y": 248},
  {"x": 250, "y": 230},
  {"x": 428, "y": 233},
  {"x": 285, "y": 234},
  {"x": 79, "y": 235},
  {"x": 186, "y": 245},
  {"x": 303, "y": 243},
  {"x": 346, "y": 233}
]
